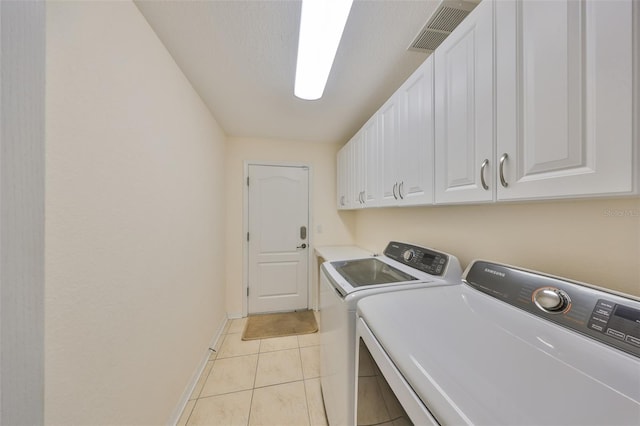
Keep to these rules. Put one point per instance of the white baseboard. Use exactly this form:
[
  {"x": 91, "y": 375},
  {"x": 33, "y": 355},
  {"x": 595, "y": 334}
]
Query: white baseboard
[{"x": 175, "y": 416}]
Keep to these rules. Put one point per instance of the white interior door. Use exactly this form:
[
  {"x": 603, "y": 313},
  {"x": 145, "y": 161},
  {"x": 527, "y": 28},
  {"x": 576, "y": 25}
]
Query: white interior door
[{"x": 278, "y": 238}]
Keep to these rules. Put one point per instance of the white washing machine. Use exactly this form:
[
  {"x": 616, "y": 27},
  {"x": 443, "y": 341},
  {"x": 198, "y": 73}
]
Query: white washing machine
[
  {"x": 343, "y": 283},
  {"x": 506, "y": 347}
]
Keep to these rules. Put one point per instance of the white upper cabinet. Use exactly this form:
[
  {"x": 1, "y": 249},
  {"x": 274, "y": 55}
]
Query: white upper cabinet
[
  {"x": 358, "y": 174},
  {"x": 389, "y": 162},
  {"x": 406, "y": 137},
  {"x": 414, "y": 162},
  {"x": 464, "y": 119},
  {"x": 357, "y": 170},
  {"x": 524, "y": 100},
  {"x": 345, "y": 179},
  {"x": 389, "y": 136},
  {"x": 371, "y": 174},
  {"x": 341, "y": 178},
  {"x": 565, "y": 89}
]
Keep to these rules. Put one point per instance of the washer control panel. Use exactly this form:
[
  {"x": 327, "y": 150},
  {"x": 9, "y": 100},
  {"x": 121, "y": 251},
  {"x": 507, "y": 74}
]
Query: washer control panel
[
  {"x": 424, "y": 259},
  {"x": 609, "y": 318}
]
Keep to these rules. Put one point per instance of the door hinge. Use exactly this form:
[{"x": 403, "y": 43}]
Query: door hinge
[
  {"x": 247, "y": 236},
  {"x": 247, "y": 180}
]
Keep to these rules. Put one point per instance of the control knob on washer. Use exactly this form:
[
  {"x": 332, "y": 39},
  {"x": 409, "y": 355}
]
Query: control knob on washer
[
  {"x": 408, "y": 255},
  {"x": 550, "y": 299}
]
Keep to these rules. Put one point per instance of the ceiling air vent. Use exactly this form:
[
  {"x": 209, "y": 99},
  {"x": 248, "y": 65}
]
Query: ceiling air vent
[{"x": 442, "y": 22}]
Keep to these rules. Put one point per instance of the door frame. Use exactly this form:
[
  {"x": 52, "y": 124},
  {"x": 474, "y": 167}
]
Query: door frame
[{"x": 245, "y": 227}]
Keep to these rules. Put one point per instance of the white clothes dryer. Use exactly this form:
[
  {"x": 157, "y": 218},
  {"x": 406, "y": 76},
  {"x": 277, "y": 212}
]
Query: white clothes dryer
[{"x": 507, "y": 347}]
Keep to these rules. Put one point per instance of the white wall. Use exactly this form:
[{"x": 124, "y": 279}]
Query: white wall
[
  {"x": 337, "y": 227},
  {"x": 594, "y": 241},
  {"x": 22, "y": 146},
  {"x": 134, "y": 220}
]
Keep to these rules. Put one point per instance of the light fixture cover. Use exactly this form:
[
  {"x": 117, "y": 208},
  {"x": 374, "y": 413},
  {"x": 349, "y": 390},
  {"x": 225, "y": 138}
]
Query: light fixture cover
[{"x": 321, "y": 25}]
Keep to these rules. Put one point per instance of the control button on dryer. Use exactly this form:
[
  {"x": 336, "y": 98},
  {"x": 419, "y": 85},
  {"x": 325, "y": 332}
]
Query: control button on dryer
[
  {"x": 603, "y": 312},
  {"x": 605, "y": 304},
  {"x": 599, "y": 319},
  {"x": 633, "y": 340},
  {"x": 596, "y": 327},
  {"x": 615, "y": 333},
  {"x": 550, "y": 299}
]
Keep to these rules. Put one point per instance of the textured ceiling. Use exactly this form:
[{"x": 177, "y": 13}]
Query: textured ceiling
[{"x": 240, "y": 57}]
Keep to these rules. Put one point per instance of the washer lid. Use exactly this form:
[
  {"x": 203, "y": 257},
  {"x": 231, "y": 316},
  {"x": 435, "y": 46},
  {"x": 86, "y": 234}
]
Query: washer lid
[{"x": 473, "y": 359}]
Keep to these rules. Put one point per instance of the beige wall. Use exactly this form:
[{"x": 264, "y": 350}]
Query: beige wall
[
  {"x": 336, "y": 226},
  {"x": 134, "y": 222},
  {"x": 594, "y": 241}
]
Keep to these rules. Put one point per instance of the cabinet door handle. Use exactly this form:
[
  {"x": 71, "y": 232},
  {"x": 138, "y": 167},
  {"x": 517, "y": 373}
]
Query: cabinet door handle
[
  {"x": 342, "y": 200},
  {"x": 503, "y": 182},
  {"x": 360, "y": 197},
  {"x": 485, "y": 163},
  {"x": 400, "y": 190},
  {"x": 364, "y": 200},
  {"x": 394, "y": 190}
]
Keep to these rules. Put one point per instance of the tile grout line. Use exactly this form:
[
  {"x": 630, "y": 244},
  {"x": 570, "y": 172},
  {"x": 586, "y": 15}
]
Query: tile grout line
[
  {"x": 253, "y": 388},
  {"x": 304, "y": 385},
  {"x": 279, "y": 383}
]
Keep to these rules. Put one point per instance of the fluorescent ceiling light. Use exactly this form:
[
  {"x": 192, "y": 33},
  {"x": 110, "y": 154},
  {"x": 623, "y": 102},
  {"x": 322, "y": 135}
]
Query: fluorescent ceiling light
[{"x": 321, "y": 25}]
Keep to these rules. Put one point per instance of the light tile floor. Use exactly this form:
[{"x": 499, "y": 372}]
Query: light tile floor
[{"x": 259, "y": 382}]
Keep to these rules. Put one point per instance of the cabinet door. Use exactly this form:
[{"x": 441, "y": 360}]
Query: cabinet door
[
  {"x": 372, "y": 175},
  {"x": 564, "y": 104},
  {"x": 414, "y": 163},
  {"x": 464, "y": 110},
  {"x": 358, "y": 170},
  {"x": 341, "y": 180},
  {"x": 346, "y": 177},
  {"x": 352, "y": 184},
  {"x": 388, "y": 137}
]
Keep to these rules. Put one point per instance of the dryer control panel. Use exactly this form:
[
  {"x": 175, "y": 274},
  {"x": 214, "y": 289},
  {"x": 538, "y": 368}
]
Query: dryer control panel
[
  {"x": 616, "y": 320},
  {"x": 607, "y": 317},
  {"x": 424, "y": 259}
]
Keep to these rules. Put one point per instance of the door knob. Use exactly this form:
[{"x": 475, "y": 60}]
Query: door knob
[{"x": 303, "y": 246}]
